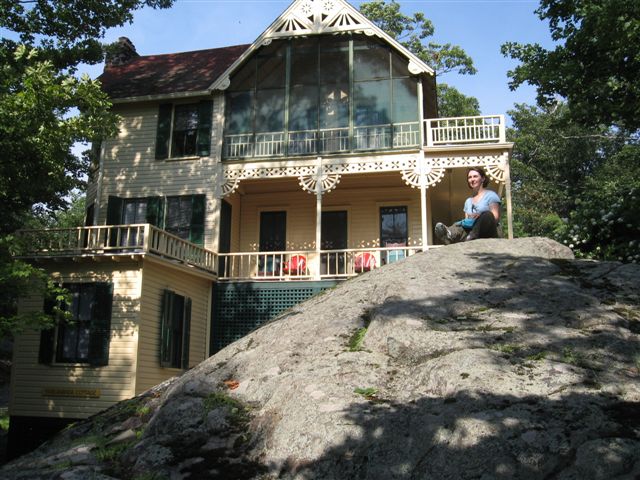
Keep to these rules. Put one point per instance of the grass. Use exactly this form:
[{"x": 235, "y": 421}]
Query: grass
[
  {"x": 508, "y": 348},
  {"x": 238, "y": 413},
  {"x": 541, "y": 355},
  {"x": 367, "y": 392},
  {"x": 110, "y": 453},
  {"x": 355, "y": 342}
]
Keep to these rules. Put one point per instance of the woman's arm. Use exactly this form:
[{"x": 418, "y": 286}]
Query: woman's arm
[{"x": 495, "y": 209}]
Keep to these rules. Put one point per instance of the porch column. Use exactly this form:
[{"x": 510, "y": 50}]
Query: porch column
[
  {"x": 318, "y": 218},
  {"x": 507, "y": 183},
  {"x": 423, "y": 201}
]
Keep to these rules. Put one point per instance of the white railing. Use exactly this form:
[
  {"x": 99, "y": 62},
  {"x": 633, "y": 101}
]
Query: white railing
[
  {"x": 113, "y": 239},
  {"x": 307, "y": 264},
  {"x": 465, "y": 130}
]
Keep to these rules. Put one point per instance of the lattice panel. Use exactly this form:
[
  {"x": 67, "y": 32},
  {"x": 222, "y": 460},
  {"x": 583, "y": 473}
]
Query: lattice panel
[{"x": 240, "y": 308}]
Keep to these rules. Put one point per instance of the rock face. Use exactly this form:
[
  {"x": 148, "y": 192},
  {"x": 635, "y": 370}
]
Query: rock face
[{"x": 489, "y": 359}]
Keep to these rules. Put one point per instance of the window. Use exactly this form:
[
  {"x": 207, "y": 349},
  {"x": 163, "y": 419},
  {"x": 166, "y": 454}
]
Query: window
[
  {"x": 182, "y": 215},
  {"x": 175, "y": 323},
  {"x": 85, "y": 339},
  {"x": 393, "y": 232},
  {"x": 273, "y": 238},
  {"x": 184, "y": 130},
  {"x": 339, "y": 94}
]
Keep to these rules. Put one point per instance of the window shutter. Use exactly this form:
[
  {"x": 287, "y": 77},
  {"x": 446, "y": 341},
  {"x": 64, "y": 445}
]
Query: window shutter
[
  {"x": 163, "y": 133},
  {"x": 205, "y": 110},
  {"x": 196, "y": 230},
  {"x": 100, "y": 332},
  {"x": 165, "y": 328},
  {"x": 186, "y": 328},
  {"x": 155, "y": 211},
  {"x": 45, "y": 353},
  {"x": 114, "y": 217},
  {"x": 114, "y": 210}
]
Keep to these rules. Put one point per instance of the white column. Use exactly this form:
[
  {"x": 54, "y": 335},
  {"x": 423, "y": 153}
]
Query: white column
[
  {"x": 318, "y": 217},
  {"x": 423, "y": 200},
  {"x": 507, "y": 183}
]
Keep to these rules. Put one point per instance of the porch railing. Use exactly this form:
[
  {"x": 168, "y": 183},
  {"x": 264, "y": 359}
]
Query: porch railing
[
  {"x": 113, "y": 239},
  {"x": 306, "y": 264},
  {"x": 465, "y": 130}
]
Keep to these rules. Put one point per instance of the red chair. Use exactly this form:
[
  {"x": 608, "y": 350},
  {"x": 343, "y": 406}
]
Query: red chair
[
  {"x": 364, "y": 262},
  {"x": 297, "y": 265}
]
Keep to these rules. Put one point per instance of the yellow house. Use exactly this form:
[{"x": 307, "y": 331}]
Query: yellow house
[{"x": 243, "y": 180}]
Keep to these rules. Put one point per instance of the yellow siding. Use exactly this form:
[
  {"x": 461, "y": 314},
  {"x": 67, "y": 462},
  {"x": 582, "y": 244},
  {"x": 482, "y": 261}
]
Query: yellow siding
[
  {"x": 156, "y": 278},
  {"x": 30, "y": 380},
  {"x": 362, "y": 206},
  {"x": 131, "y": 170}
]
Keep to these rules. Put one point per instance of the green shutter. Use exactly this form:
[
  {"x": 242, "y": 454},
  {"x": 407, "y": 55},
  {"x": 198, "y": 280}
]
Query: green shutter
[
  {"x": 163, "y": 133},
  {"x": 114, "y": 210},
  {"x": 100, "y": 332},
  {"x": 196, "y": 229},
  {"x": 45, "y": 352},
  {"x": 114, "y": 217},
  {"x": 205, "y": 110},
  {"x": 165, "y": 328},
  {"x": 186, "y": 328},
  {"x": 155, "y": 210}
]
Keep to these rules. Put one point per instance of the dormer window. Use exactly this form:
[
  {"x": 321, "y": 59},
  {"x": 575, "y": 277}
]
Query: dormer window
[{"x": 184, "y": 130}]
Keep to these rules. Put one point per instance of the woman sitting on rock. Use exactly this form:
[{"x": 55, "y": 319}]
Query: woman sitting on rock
[{"x": 481, "y": 212}]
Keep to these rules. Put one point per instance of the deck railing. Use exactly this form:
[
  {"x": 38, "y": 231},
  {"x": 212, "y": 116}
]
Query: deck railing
[
  {"x": 256, "y": 266},
  {"x": 305, "y": 264},
  {"x": 113, "y": 239},
  {"x": 465, "y": 130}
]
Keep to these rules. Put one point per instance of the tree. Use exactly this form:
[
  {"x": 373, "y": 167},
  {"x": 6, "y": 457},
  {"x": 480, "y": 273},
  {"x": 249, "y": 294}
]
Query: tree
[
  {"x": 411, "y": 31},
  {"x": 44, "y": 110},
  {"x": 453, "y": 103},
  {"x": 595, "y": 65}
]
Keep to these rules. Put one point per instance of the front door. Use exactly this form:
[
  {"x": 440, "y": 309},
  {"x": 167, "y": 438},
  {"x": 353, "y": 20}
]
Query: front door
[
  {"x": 393, "y": 232},
  {"x": 333, "y": 235}
]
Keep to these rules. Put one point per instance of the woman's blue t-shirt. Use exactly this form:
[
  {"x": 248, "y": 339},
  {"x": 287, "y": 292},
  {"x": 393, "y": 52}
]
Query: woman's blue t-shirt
[{"x": 487, "y": 199}]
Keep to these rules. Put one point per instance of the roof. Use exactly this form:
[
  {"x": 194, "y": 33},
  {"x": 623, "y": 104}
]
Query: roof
[{"x": 186, "y": 72}]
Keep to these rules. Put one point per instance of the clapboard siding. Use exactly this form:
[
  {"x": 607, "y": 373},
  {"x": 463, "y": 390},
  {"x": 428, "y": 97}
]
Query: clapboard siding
[
  {"x": 30, "y": 380},
  {"x": 363, "y": 212},
  {"x": 130, "y": 169},
  {"x": 156, "y": 278}
]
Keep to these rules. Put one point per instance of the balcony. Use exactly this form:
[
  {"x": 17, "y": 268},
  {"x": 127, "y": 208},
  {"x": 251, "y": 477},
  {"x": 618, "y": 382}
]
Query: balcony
[
  {"x": 112, "y": 240},
  {"x": 437, "y": 132},
  {"x": 123, "y": 240}
]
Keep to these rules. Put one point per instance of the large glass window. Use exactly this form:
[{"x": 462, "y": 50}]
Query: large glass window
[
  {"x": 321, "y": 95},
  {"x": 84, "y": 336}
]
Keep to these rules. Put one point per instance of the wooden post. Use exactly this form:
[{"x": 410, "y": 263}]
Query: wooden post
[{"x": 316, "y": 275}]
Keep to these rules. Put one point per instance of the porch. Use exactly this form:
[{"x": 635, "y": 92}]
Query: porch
[{"x": 117, "y": 242}]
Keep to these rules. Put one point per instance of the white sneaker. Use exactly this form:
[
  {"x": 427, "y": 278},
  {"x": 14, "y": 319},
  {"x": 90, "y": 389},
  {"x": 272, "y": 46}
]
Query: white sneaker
[{"x": 443, "y": 233}]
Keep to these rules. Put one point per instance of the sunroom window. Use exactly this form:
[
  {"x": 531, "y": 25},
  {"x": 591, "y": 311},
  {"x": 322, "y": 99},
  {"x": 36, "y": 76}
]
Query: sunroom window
[
  {"x": 184, "y": 130},
  {"x": 321, "y": 95}
]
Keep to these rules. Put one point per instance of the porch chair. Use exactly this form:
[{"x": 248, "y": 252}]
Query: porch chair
[
  {"x": 364, "y": 262},
  {"x": 297, "y": 265}
]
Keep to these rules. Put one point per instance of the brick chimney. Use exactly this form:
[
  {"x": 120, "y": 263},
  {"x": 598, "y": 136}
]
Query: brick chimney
[{"x": 120, "y": 52}]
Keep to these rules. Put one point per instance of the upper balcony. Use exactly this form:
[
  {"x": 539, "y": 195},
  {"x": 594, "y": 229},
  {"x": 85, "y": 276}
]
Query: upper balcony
[{"x": 436, "y": 133}]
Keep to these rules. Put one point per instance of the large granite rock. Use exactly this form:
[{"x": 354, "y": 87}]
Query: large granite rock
[{"x": 489, "y": 359}]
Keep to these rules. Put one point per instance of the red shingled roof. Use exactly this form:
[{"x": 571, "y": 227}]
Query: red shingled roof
[{"x": 171, "y": 73}]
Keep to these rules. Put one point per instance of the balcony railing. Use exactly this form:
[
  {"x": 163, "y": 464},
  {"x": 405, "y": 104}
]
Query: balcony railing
[
  {"x": 465, "y": 130},
  {"x": 113, "y": 239},
  {"x": 330, "y": 140},
  {"x": 307, "y": 264}
]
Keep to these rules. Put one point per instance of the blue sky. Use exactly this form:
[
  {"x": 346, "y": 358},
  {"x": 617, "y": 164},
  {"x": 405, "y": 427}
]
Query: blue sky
[{"x": 480, "y": 27}]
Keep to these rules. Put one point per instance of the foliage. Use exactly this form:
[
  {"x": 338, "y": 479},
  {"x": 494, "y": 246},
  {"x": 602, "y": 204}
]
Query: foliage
[
  {"x": 595, "y": 65},
  {"x": 44, "y": 110},
  {"x": 605, "y": 223},
  {"x": 552, "y": 158},
  {"x": 4, "y": 420},
  {"x": 411, "y": 31},
  {"x": 367, "y": 392},
  {"x": 355, "y": 342},
  {"x": 453, "y": 103}
]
